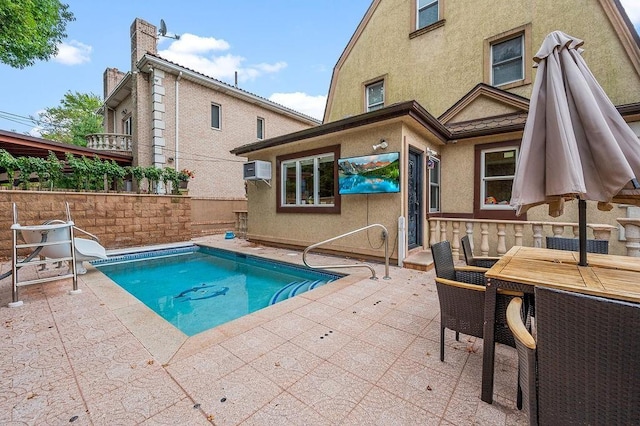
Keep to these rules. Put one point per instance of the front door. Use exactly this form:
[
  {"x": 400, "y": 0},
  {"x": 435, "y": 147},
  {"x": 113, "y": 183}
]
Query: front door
[{"x": 414, "y": 209}]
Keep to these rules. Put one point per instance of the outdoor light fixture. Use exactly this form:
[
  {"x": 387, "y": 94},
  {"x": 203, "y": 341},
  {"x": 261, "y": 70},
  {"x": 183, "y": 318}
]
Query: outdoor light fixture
[{"x": 382, "y": 145}]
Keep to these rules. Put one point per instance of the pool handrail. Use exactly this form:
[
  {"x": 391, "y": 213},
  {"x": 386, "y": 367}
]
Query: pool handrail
[{"x": 385, "y": 235}]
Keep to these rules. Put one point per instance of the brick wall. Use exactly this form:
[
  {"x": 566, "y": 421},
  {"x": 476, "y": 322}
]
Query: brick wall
[{"x": 119, "y": 220}]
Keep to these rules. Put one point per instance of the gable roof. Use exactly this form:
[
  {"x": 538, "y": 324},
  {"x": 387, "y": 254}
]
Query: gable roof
[{"x": 502, "y": 99}]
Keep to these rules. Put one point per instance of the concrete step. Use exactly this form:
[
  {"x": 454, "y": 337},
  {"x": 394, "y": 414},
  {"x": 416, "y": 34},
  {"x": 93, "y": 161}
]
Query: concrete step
[{"x": 420, "y": 260}]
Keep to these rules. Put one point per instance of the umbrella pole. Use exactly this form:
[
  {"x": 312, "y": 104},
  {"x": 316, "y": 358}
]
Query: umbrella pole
[{"x": 582, "y": 228}]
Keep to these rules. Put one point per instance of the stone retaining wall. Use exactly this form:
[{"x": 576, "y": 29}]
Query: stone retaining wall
[{"x": 119, "y": 220}]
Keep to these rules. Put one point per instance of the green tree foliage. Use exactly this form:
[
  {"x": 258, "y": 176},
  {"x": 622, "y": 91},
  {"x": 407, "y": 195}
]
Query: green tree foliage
[
  {"x": 73, "y": 120},
  {"x": 31, "y": 30}
]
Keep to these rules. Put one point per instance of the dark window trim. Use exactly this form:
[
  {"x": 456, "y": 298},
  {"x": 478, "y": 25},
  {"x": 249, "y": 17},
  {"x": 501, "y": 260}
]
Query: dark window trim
[
  {"x": 479, "y": 213},
  {"x": 335, "y": 209},
  {"x": 219, "y": 116}
]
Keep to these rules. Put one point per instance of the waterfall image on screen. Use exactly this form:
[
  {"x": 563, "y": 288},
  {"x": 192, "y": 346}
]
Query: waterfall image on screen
[{"x": 369, "y": 174}]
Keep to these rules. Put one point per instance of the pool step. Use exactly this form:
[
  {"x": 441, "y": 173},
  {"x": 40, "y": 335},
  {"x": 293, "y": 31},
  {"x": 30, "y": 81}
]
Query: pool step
[{"x": 295, "y": 288}]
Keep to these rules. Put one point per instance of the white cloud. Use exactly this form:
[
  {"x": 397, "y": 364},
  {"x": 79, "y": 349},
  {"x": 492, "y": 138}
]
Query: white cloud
[
  {"x": 302, "y": 102},
  {"x": 198, "y": 53},
  {"x": 73, "y": 53},
  {"x": 632, "y": 7}
]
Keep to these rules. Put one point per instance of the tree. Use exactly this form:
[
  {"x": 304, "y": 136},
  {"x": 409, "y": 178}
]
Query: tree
[
  {"x": 73, "y": 120},
  {"x": 31, "y": 30}
]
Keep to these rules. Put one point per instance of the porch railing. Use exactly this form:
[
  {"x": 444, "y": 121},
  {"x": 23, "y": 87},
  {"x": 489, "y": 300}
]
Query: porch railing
[
  {"x": 497, "y": 236},
  {"x": 109, "y": 142}
]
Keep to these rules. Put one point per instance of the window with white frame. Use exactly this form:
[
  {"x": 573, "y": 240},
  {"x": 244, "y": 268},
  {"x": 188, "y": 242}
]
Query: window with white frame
[
  {"x": 308, "y": 181},
  {"x": 427, "y": 13},
  {"x": 260, "y": 128},
  {"x": 433, "y": 165},
  {"x": 375, "y": 95},
  {"x": 507, "y": 61},
  {"x": 126, "y": 126},
  {"x": 497, "y": 170},
  {"x": 215, "y": 116}
]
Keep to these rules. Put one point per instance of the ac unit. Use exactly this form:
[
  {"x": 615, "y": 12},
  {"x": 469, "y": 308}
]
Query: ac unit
[{"x": 257, "y": 170}]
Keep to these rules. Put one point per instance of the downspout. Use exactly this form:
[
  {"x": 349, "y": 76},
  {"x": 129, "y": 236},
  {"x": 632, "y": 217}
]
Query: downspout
[{"x": 176, "y": 155}]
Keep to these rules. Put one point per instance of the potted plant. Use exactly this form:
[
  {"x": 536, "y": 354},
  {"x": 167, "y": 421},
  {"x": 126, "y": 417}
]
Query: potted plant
[{"x": 184, "y": 176}]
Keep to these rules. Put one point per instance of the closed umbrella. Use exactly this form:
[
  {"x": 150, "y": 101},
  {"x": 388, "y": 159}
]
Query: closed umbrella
[{"x": 575, "y": 142}]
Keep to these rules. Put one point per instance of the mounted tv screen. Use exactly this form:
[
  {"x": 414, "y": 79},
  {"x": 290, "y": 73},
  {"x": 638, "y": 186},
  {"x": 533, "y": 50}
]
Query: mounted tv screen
[{"x": 369, "y": 174}]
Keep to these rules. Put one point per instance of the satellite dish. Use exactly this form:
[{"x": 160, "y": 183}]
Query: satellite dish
[{"x": 163, "y": 28}]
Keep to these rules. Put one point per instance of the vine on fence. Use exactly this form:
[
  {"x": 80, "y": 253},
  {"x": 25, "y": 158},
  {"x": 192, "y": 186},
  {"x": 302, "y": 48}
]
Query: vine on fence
[{"x": 82, "y": 174}]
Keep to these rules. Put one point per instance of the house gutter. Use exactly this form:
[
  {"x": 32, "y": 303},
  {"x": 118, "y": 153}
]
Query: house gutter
[{"x": 177, "y": 153}]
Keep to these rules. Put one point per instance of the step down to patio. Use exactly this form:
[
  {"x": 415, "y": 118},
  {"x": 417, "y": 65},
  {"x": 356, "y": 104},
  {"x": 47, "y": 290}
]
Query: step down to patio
[{"x": 419, "y": 260}]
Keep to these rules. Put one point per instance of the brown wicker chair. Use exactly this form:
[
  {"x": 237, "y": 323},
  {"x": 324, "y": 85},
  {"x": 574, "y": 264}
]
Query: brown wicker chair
[
  {"x": 483, "y": 262},
  {"x": 584, "y": 367},
  {"x": 572, "y": 244},
  {"x": 461, "y": 294}
]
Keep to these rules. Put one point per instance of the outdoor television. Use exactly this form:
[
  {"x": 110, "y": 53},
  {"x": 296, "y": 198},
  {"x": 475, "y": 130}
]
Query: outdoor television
[{"x": 369, "y": 174}]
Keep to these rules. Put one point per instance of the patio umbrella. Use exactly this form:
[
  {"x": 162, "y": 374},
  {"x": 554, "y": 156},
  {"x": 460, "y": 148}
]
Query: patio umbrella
[{"x": 575, "y": 142}]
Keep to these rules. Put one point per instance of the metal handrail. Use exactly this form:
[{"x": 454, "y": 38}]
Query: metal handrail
[{"x": 385, "y": 234}]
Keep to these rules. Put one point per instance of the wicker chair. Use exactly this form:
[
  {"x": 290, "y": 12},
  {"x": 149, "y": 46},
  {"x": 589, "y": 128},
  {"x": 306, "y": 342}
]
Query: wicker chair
[
  {"x": 483, "y": 262},
  {"x": 573, "y": 244},
  {"x": 584, "y": 367},
  {"x": 461, "y": 293}
]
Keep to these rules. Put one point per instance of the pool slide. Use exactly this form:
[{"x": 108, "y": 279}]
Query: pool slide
[{"x": 85, "y": 249}]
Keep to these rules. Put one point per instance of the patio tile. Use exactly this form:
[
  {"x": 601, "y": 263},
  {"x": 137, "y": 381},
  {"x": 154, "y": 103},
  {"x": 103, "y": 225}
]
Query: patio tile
[
  {"x": 136, "y": 401},
  {"x": 236, "y": 396},
  {"x": 199, "y": 369},
  {"x": 422, "y": 386},
  {"x": 252, "y": 344},
  {"x": 427, "y": 353},
  {"x": 322, "y": 341},
  {"x": 285, "y": 410},
  {"x": 316, "y": 312},
  {"x": 404, "y": 321},
  {"x": 339, "y": 300},
  {"x": 386, "y": 337},
  {"x": 348, "y": 321},
  {"x": 363, "y": 359},
  {"x": 289, "y": 325},
  {"x": 286, "y": 364},
  {"x": 380, "y": 407},
  {"x": 182, "y": 412},
  {"x": 331, "y": 391}
]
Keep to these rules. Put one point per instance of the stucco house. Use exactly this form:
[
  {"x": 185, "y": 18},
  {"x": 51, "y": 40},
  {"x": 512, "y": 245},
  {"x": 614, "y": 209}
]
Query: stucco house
[
  {"x": 445, "y": 85},
  {"x": 168, "y": 115}
]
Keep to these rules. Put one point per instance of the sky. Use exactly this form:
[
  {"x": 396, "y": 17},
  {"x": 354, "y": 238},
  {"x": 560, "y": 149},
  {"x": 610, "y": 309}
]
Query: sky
[{"x": 283, "y": 50}]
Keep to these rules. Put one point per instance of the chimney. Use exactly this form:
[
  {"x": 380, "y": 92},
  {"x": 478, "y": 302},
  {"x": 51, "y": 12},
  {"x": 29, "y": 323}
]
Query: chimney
[
  {"x": 144, "y": 37},
  {"x": 110, "y": 79}
]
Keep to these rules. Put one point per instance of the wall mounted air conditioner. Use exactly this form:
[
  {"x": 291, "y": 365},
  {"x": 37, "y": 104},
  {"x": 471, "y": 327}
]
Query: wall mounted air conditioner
[{"x": 257, "y": 170}]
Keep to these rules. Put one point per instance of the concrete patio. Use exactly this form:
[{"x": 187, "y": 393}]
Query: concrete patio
[{"x": 354, "y": 352}]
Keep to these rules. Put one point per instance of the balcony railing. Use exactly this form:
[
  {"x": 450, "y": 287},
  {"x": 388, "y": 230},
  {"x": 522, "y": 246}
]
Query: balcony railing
[
  {"x": 496, "y": 237},
  {"x": 109, "y": 142}
]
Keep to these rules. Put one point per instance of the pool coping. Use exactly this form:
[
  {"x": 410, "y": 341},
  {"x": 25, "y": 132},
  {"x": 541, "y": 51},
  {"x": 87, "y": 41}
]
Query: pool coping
[{"x": 164, "y": 341}]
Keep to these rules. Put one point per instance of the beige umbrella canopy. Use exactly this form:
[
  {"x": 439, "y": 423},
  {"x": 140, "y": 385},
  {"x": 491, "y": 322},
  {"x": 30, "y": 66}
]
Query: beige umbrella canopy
[{"x": 575, "y": 142}]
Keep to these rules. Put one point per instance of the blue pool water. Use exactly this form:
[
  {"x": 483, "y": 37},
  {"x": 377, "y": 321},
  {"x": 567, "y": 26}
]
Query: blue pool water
[{"x": 198, "y": 288}]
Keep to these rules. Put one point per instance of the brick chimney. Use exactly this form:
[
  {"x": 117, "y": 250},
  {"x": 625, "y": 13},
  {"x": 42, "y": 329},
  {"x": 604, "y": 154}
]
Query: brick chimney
[
  {"x": 144, "y": 37},
  {"x": 110, "y": 79}
]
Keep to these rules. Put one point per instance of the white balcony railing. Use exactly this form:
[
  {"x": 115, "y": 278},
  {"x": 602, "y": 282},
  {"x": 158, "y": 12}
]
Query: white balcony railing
[
  {"x": 109, "y": 142},
  {"x": 496, "y": 237}
]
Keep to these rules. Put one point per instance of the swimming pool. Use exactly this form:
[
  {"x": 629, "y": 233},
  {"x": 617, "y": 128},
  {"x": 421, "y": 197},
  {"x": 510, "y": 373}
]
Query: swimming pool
[{"x": 197, "y": 288}]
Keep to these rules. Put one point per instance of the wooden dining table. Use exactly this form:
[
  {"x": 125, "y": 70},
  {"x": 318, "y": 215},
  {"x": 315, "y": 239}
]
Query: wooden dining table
[{"x": 525, "y": 268}]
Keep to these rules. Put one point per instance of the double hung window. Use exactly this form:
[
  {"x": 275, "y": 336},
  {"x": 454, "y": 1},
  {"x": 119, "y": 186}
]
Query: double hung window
[
  {"x": 260, "y": 128},
  {"x": 497, "y": 168},
  {"x": 507, "y": 64},
  {"x": 427, "y": 13},
  {"x": 215, "y": 116},
  {"x": 434, "y": 184},
  {"x": 375, "y": 95}
]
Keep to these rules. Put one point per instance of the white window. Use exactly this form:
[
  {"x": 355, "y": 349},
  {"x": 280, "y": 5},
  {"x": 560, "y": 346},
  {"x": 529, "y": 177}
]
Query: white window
[
  {"x": 215, "y": 116},
  {"x": 497, "y": 169},
  {"x": 427, "y": 13},
  {"x": 434, "y": 184},
  {"x": 126, "y": 126},
  {"x": 375, "y": 96},
  {"x": 309, "y": 181},
  {"x": 260, "y": 128},
  {"x": 507, "y": 63}
]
